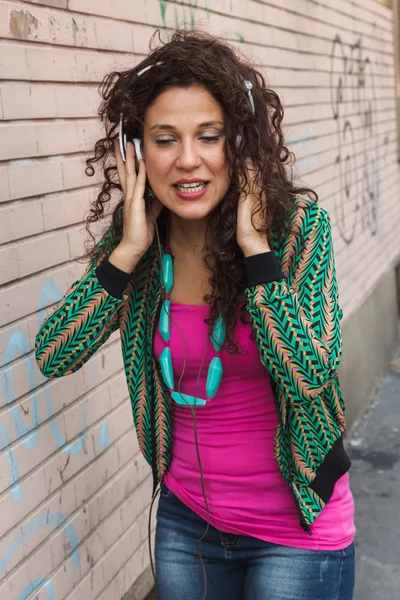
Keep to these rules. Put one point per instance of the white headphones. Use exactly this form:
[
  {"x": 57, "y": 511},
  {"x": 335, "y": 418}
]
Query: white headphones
[{"x": 137, "y": 142}]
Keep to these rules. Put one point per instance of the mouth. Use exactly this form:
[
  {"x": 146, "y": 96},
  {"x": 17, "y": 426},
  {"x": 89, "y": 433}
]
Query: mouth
[{"x": 191, "y": 190}]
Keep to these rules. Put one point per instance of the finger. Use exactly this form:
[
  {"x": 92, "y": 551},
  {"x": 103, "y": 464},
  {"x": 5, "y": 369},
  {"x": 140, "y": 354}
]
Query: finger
[
  {"x": 120, "y": 165},
  {"x": 140, "y": 181},
  {"x": 130, "y": 171}
]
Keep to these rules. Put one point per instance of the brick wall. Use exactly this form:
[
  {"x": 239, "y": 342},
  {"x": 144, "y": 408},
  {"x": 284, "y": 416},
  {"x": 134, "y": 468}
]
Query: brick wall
[{"x": 74, "y": 491}]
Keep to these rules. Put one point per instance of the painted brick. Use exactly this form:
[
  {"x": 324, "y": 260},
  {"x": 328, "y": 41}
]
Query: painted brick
[
  {"x": 27, "y": 461},
  {"x": 50, "y": 64},
  {"x": 76, "y": 240},
  {"x": 22, "y": 299},
  {"x": 49, "y": 100},
  {"x": 66, "y": 208},
  {"x": 30, "y": 570},
  {"x": 9, "y": 270},
  {"x": 43, "y": 252},
  {"x": 20, "y": 220},
  {"x": 73, "y": 170},
  {"x": 8, "y": 340},
  {"x": 118, "y": 9},
  {"x": 95, "y": 406},
  {"x": 53, "y": 3},
  {"x": 5, "y": 193},
  {"x": 30, "y": 178},
  {"x": 31, "y": 489},
  {"x": 17, "y": 556},
  {"x": 76, "y": 100},
  {"x": 105, "y": 368},
  {"x": 64, "y": 28},
  {"x": 137, "y": 564},
  {"x": 90, "y": 586},
  {"x": 22, "y": 140},
  {"x": 13, "y": 63},
  {"x": 19, "y": 379},
  {"x": 86, "y": 486}
]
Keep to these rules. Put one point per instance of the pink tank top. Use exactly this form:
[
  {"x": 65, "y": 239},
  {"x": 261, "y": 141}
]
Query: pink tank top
[{"x": 245, "y": 490}]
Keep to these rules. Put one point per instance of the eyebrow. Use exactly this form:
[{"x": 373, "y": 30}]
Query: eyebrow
[{"x": 201, "y": 126}]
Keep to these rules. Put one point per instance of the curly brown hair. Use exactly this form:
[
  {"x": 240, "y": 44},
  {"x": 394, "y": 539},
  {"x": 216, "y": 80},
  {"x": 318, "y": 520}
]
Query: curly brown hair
[{"x": 189, "y": 58}]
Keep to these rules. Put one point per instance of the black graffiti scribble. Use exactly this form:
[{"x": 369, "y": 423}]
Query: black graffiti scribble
[{"x": 354, "y": 105}]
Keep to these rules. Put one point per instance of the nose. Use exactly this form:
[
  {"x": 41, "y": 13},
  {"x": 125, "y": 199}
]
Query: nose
[{"x": 188, "y": 157}]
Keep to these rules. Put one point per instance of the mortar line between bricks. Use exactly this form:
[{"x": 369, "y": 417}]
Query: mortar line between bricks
[
  {"x": 6, "y": 203},
  {"x": 48, "y": 120},
  {"x": 70, "y": 228},
  {"x": 44, "y": 159}
]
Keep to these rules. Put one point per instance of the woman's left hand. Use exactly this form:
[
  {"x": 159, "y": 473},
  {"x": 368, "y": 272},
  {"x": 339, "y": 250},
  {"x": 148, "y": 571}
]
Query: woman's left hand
[{"x": 250, "y": 241}]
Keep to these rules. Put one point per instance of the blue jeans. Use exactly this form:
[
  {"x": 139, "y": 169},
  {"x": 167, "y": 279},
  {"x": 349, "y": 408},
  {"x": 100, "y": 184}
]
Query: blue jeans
[{"x": 241, "y": 567}]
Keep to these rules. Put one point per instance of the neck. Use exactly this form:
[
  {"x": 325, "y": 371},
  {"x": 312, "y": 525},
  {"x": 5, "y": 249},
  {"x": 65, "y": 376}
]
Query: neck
[{"x": 188, "y": 236}]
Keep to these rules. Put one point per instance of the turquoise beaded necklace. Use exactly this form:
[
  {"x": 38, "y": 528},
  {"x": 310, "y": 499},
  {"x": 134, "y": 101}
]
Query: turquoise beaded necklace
[{"x": 217, "y": 338}]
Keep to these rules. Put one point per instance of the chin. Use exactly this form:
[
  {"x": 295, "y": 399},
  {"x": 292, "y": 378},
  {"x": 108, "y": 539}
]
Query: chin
[{"x": 192, "y": 212}]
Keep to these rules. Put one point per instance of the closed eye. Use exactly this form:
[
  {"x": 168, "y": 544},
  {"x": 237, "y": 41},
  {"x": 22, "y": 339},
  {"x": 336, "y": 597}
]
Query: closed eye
[
  {"x": 209, "y": 138},
  {"x": 163, "y": 142},
  {"x": 205, "y": 138}
]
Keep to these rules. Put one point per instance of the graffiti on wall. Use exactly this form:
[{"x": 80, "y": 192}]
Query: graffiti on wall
[
  {"x": 18, "y": 345},
  {"x": 188, "y": 16},
  {"x": 359, "y": 146}
]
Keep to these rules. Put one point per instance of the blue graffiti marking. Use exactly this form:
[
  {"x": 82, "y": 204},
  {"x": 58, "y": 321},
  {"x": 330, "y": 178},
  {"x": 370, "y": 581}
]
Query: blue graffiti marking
[
  {"x": 34, "y": 585},
  {"x": 18, "y": 343},
  {"x": 12, "y": 463},
  {"x": 104, "y": 435},
  {"x": 48, "y": 520},
  {"x": 58, "y": 436},
  {"x": 50, "y": 291}
]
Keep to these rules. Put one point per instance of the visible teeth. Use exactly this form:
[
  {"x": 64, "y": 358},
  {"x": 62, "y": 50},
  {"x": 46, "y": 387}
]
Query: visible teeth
[{"x": 192, "y": 187}]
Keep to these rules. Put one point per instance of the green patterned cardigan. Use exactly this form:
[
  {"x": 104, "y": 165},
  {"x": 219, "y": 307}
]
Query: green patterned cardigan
[{"x": 292, "y": 300}]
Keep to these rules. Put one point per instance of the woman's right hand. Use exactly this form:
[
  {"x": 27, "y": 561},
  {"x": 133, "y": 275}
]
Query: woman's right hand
[{"x": 139, "y": 224}]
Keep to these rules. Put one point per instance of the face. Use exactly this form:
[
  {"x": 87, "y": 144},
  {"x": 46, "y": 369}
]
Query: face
[{"x": 184, "y": 151}]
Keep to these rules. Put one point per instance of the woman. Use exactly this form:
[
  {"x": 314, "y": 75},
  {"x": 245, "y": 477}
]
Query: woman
[{"x": 231, "y": 348}]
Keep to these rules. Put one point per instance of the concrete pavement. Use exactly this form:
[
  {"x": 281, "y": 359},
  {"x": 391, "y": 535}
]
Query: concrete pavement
[{"x": 374, "y": 448}]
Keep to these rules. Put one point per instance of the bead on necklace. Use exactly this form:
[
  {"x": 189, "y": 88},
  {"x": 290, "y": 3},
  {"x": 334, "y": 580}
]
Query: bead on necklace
[{"x": 217, "y": 338}]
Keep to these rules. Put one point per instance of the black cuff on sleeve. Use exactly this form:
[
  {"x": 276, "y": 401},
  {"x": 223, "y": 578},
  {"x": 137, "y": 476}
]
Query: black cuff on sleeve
[
  {"x": 262, "y": 268},
  {"x": 113, "y": 280}
]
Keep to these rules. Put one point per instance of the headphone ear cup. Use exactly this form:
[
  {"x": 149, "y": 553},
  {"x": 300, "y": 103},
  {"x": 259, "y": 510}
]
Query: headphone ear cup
[
  {"x": 238, "y": 141},
  {"x": 138, "y": 148}
]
